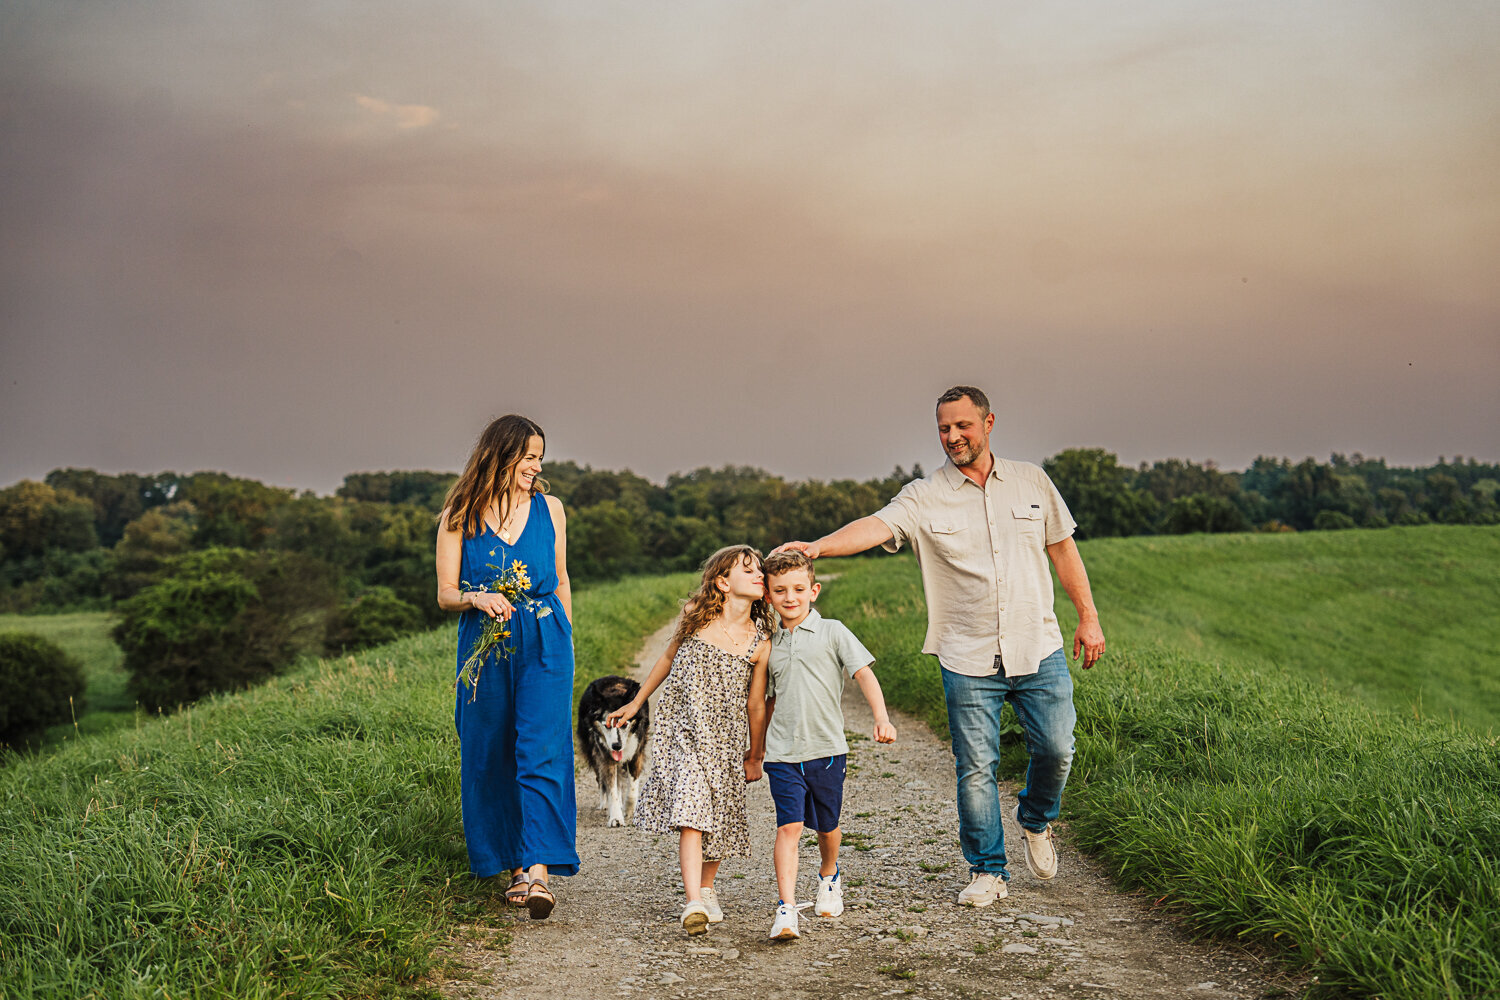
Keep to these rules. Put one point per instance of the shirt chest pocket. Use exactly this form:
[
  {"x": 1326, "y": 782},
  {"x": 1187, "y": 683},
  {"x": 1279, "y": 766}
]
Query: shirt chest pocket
[
  {"x": 1028, "y": 519},
  {"x": 950, "y": 535}
]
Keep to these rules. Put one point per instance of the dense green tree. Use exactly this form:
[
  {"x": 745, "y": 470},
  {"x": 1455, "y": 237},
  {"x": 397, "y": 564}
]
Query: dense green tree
[
  {"x": 117, "y": 500},
  {"x": 150, "y": 543},
  {"x": 232, "y": 512},
  {"x": 36, "y": 518},
  {"x": 1175, "y": 477},
  {"x": 1333, "y": 520},
  {"x": 1201, "y": 512},
  {"x": 422, "y": 489},
  {"x": 398, "y": 542},
  {"x": 374, "y": 617},
  {"x": 603, "y": 542},
  {"x": 223, "y": 619},
  {"x": 1097, "y": 491}
]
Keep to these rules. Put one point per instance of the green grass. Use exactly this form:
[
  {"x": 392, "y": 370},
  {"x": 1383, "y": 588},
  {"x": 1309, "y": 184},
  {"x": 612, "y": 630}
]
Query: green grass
[
  {"x": 299, "y": 839},
  {"x": 1258, "y": 786},
  {"x": 1401, "y": 618}
]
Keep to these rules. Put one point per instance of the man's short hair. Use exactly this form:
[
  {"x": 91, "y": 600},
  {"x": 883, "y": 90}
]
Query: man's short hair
[
  {"x": 976, "y": 396},
  {"x": 784, "y": 562}
]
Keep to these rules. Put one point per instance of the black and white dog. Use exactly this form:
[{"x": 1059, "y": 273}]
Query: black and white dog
[{"x": 617, "y": 755}]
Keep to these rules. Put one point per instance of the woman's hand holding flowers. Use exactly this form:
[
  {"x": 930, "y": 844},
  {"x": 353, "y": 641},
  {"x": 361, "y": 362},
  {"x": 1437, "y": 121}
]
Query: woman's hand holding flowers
[{"x": 494, "y": 605}]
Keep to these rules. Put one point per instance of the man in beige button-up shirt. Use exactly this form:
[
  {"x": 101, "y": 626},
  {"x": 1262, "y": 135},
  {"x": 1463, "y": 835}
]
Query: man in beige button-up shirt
[{"x": 983, "y": 530}]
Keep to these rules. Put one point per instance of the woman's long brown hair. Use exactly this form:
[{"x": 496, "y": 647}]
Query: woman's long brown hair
[
  {"x": 706, "y": 604},
  {"x": 490, "y": 472}
]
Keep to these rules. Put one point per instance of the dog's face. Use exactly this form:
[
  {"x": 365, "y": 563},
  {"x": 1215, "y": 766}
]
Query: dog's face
[
  {"x": 620, "y": 742},
  {"x": 603, "y": 696}
]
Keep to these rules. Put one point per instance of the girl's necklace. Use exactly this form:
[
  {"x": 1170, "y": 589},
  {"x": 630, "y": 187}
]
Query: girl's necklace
[{"x": 734, "y": 643}]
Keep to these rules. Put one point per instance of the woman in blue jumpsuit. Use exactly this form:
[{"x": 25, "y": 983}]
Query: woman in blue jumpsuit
[{"x": 515, "y": 722}]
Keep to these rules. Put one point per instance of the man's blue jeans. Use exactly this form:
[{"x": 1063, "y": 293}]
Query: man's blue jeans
[{"x": 1044, "y": 704}]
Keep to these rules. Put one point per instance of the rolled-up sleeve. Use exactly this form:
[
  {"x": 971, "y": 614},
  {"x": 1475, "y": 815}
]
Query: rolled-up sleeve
[
  {"x": 900, "y": 515},
  {"x": 1059, "y": 520}
]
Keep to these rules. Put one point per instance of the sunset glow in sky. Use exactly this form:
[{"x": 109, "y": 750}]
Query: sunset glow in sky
[{"x": 294, "y": 240}]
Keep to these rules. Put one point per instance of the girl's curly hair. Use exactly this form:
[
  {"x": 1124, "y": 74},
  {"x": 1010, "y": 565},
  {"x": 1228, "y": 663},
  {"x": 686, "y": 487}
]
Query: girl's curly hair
[{"x": 708, "y": 601}]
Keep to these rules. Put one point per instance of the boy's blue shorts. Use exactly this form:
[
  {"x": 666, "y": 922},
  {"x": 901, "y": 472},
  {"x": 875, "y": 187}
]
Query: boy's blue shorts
[{"x": 810, "y": 793}]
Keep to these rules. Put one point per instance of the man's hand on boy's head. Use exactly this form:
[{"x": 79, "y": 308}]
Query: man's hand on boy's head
[
  {"x": 809, "y": 549},
  {"x": 885, "y": 732}
]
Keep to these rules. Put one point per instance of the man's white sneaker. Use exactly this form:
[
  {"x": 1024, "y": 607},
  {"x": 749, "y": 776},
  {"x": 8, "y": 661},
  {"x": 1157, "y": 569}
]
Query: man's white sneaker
[
  {"x": 1041, "y": 856},
  {"x": 711, "y": 904},
  {"x": 830, "y": 899},
  {"x": 982, "y": 890},
  {"x": 695, "y": 918},
  {"x": 784, "y": 927}
]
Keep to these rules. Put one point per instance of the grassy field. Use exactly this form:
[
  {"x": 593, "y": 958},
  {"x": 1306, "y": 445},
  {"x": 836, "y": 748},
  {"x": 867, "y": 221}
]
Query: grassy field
[
  {"x": 1260, "y": 787},
  {"x": 1402, "y": 619},
  {"x": 1234, "y": 756},
  {"x": 300, "y": 839}
]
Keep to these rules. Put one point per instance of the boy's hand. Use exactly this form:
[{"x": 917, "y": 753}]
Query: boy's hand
[
  {"x": 752, "y": 769},
  {"x": 621, "y": 715},
  {"x": 885, "y": 732}
]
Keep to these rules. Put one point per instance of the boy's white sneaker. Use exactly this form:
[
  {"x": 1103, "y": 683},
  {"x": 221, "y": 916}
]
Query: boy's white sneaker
[
  {"x": 695, "y": 918},
  {"x": 784, "y": 927},
  {"x": 830, "y": 899},
  {"x": 982, "y": 890},
  {"x": 711, "y": 904},
  {"x": 1041, "y": 856}
]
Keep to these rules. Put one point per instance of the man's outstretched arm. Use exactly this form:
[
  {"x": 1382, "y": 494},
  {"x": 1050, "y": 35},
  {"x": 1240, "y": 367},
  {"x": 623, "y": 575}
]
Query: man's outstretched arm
[
  {"x": 1089, "y": 639},
  {"x": 856, "y": 536}
]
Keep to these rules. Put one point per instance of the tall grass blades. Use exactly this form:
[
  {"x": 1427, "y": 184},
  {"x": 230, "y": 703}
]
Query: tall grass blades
[
  {"x": 1264, "y": 801},
  {"x": 299, "y": 839}
]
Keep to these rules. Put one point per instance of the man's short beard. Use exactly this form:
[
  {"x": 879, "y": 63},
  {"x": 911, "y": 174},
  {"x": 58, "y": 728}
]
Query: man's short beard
[{"x": 972, "y": 453}]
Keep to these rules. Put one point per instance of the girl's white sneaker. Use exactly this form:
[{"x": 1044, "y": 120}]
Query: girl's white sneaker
[
  {"x": 711, "y": 904},
  {"x": 695, "y": 918}
]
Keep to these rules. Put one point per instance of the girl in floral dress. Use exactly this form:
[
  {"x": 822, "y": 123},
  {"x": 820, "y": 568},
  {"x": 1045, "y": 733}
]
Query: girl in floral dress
[{"x": 710, "y": 709}]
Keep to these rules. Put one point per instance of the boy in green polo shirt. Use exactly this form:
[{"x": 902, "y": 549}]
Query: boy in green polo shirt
[{"x": 811, "y": 657}]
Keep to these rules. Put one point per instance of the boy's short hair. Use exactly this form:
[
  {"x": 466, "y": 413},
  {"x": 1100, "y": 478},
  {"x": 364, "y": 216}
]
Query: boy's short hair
[{"x": 785, "y": 562}]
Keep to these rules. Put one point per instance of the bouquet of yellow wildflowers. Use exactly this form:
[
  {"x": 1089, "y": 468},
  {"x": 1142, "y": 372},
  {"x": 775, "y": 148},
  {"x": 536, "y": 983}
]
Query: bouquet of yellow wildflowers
[{"x": 512, "y": 584}]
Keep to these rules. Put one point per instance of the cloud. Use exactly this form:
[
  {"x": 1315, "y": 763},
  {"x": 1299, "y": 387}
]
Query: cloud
[{"x": 406, "y": 115}]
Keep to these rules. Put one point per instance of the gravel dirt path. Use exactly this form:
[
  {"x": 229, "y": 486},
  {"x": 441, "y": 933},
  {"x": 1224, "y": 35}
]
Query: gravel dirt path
[{"x": 615, "y": 931}]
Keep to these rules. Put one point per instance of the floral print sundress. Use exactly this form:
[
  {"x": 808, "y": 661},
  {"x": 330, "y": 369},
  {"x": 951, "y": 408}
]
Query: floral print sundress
[{"x": 699, "y": 734}]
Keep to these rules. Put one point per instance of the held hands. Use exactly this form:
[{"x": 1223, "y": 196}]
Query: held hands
[
  {"x": 621, "y": 715},
  {"x": 885, "y": 732},
  {"x": 1090, "y": 639},
  {"x": 752, "y": 768},
  {"x": 494, "y": 605}
]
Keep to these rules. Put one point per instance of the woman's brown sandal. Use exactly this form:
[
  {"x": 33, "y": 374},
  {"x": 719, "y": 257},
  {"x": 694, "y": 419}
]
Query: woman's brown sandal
[
  {"x": 515, "y": 893},
  {"x": 539, "y": 900}
]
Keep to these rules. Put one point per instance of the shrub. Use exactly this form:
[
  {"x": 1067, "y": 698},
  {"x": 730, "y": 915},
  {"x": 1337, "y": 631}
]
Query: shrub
[
  {"x": 375, "y": 617},
  {"x": 37, "y": 682},
  {"x": 1333, "y": 520},
  {"x": 222, "y": 619}
]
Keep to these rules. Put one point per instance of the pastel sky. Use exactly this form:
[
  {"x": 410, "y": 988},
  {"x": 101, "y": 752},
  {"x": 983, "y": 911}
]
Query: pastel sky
[{"x": 295, "y": 240}]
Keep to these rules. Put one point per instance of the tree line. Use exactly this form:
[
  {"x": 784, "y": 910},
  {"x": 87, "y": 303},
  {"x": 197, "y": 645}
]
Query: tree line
[{"x": 220, "y": 580}]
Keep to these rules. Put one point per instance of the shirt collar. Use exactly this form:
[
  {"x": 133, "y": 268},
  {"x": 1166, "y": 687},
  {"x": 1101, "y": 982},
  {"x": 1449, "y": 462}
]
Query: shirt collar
[
  {"x": 956, "y": 478},
  {"x": 810, "y": 623}
]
